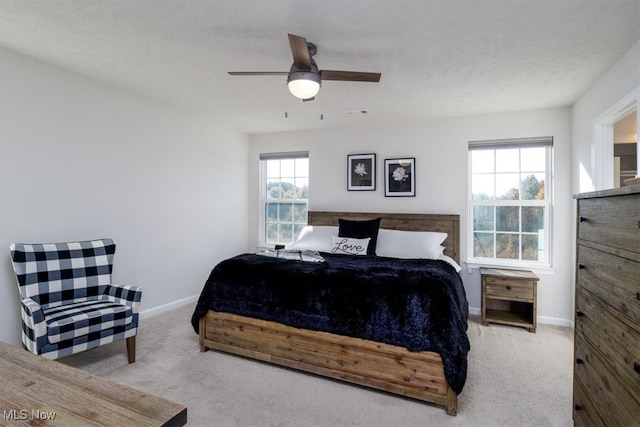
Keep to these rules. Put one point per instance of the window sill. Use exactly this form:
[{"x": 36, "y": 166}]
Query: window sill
[
  {"x": 268, "y": 246},
  {"x": 538, "y": 269}
]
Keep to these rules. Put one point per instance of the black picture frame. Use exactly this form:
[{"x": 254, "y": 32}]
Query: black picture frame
[
  {"x": 361, "y": 172},
  {"x": 400, "y": 177}
]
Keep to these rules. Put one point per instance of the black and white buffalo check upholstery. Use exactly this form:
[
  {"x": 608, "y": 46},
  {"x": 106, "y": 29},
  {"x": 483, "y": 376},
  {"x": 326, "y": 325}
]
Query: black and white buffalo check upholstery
[{"x": 68, "y": 301}]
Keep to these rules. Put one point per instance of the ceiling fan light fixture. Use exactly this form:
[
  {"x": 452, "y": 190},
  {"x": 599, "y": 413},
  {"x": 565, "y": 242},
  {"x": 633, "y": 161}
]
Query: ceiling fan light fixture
[
  {"x": 303, "y": 84},
  {"x": 304, "y": 78}
]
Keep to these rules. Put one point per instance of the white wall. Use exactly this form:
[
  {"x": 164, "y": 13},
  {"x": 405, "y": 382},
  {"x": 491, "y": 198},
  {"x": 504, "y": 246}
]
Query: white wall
[
  {"x": 82, "y": 160},
  {"x": 440, "y": 149},
  {"x": 618, "y": 82},
  {"x": 79, "y": 159}
]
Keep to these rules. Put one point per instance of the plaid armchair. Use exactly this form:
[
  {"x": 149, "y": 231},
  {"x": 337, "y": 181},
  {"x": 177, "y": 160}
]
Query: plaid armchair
[{"x": 68, "y": 302}]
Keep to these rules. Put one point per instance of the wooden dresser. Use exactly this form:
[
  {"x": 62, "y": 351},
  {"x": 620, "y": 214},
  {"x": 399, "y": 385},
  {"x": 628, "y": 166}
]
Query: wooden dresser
[{"x": 606, "y": 386}]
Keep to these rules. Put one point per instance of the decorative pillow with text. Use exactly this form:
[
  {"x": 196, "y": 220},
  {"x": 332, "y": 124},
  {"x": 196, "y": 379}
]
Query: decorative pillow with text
[
  {"x": 360, "y": 230},
  {"x": 349, "y": 246}
]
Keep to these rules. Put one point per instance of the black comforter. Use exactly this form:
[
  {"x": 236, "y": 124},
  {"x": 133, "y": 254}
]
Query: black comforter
[{"x": 417, "y": 304}]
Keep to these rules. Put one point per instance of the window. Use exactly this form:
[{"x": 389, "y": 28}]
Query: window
[
  {"x": 510, "y": 202},
  {"x": 285, "y": 196}
]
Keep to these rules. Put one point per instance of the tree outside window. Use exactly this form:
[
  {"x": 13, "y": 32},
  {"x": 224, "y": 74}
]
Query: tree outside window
[
  {"x": 285, "y": 198},
  {"x": 510, "y": 204}
]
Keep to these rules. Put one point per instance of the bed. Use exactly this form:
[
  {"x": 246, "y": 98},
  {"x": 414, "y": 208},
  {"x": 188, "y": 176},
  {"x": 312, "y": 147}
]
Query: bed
[{"x": 371, "y": 359}]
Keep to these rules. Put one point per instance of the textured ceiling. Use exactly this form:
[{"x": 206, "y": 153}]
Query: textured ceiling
[{"x": 438, "y": 58}]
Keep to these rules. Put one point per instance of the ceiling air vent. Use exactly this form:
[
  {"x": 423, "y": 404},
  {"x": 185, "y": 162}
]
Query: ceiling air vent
[{"x": 357, "y": 112}]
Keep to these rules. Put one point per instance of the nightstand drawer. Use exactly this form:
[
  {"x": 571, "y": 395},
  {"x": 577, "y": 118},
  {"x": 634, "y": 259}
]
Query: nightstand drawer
[{"x": 511, "y": 289}]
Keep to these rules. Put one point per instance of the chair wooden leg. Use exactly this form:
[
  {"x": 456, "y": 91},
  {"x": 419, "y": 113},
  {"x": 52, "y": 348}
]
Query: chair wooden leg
[{"x": 131, "y": 349}]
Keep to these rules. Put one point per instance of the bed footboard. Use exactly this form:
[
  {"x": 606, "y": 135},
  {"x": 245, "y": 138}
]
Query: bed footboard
[{"x": 419, "y": 375}]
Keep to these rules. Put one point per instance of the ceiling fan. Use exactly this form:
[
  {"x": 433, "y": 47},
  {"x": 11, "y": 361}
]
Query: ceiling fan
[{"x": 303, "y": 79}]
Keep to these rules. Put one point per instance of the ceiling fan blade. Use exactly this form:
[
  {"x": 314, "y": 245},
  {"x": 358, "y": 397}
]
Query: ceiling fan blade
[
  {"x": 350, "y": 76},
  {"x": 300, "y": 52},
  {"x": 258, "y": 73}
]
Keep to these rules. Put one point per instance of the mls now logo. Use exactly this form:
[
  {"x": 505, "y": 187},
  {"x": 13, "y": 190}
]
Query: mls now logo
[
  {"x": 23, "y": 414},
  {"x": 14, "y": 414}
]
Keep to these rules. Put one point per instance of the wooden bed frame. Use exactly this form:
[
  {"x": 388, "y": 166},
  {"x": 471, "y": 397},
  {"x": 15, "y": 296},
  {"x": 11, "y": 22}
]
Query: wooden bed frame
[{"x": 394, "y": 369}]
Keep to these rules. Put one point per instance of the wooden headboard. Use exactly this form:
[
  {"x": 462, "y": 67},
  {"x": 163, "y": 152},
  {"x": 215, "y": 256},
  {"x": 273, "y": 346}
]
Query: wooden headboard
[{"x": 449, "y": 224}]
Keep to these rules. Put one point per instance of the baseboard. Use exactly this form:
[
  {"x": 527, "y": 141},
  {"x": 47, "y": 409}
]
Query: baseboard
[
  {"x": 545, "y": 320},
  {"x": 145, "y": 314},
  {"x": 555, "y": 321}
]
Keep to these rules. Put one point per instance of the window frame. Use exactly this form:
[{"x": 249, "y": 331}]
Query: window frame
[
  {"x": 547, "y": 203},
  {"x": 264, "y": 200}
]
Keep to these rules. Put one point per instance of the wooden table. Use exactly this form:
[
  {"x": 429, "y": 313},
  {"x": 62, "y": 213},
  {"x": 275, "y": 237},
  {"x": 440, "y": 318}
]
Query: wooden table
[
  {"x": 509, "y": 297},
  {"x": 38, "y": 391}
]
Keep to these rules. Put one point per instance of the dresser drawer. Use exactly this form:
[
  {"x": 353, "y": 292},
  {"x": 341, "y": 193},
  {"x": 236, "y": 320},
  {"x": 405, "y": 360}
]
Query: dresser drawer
[
  {"x": 603, "y": 388},
  {"x": 584, "y": 414},
  {"x": 614, "y": 221},
  {"x": 617, "y": 342},
  {"x": 509, "y": 288},
  {"x": 615, "y": 280}
]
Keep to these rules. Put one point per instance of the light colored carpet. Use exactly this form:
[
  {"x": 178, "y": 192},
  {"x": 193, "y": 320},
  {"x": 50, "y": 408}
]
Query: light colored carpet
[{"x": 515, "y": 379}]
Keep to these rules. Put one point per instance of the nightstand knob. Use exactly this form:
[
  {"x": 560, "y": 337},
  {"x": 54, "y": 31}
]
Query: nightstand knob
[{"x": 508, "y": 287}]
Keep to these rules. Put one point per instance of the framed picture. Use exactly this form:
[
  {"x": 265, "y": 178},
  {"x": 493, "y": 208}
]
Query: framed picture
[
  {"x": 361, "y": 172},
  {"x": 400, "y": 177}
]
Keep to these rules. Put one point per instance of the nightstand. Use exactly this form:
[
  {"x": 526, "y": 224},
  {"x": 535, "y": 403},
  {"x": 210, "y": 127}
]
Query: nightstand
[{"x": 509, "y": 297}]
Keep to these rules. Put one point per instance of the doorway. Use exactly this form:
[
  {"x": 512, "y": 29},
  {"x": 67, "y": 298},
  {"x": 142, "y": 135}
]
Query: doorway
[
  {"x": 625, "y": 149},
  {"x": 604, "y": 161}
]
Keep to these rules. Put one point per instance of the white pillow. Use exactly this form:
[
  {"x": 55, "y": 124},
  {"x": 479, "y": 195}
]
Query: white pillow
[
  {"x": 349, "y": 245},
  {"x": 315, "y": 238},
  {"x": 410, "y": 244}
]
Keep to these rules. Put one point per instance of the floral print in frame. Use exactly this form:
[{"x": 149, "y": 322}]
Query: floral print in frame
[
  {"x": 361, "y": 172},
  {"x": 400, "y": 177}
]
